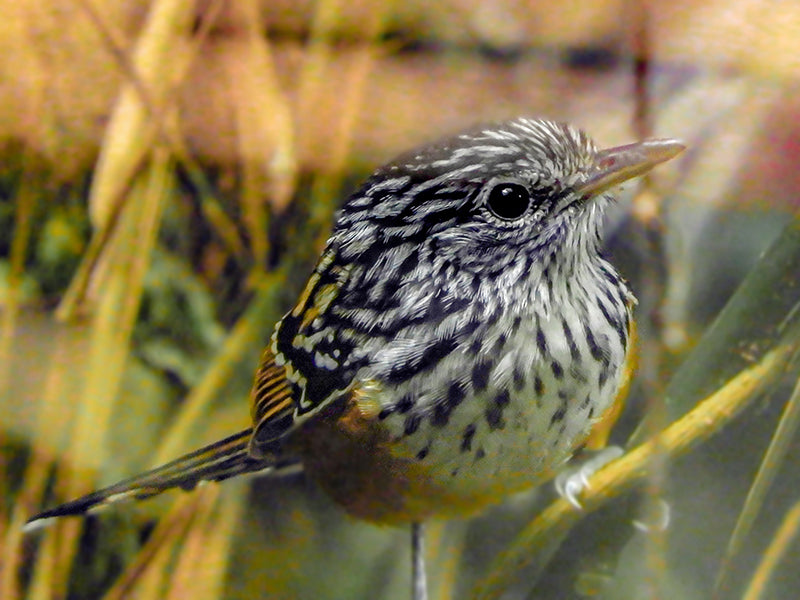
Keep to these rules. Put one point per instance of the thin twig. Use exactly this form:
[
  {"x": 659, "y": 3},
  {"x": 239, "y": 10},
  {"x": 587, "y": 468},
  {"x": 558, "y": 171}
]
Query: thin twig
[
  {"x": 774, "y": 458},
  {"x": 778, "y": 548}
]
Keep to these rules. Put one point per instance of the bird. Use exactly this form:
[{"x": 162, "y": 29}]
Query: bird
[{"x": 460, "y": 337}]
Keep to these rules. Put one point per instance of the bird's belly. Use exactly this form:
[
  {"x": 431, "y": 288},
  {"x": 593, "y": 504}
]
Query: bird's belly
[
  {"x": 515, "y": 433},
  {"x": 491, "y": 452}
]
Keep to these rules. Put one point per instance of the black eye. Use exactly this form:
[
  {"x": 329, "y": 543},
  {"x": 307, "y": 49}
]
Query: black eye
[{"x": 508, "y": 200}]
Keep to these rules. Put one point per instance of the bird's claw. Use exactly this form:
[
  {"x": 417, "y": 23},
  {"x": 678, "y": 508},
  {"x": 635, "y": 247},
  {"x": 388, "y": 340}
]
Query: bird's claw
[
  {"x": 572, "y": 481},
  {"x": 658, "y": 519}
]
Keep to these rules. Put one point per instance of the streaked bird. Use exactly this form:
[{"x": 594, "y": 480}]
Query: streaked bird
[{"x": 458, "y": 340}]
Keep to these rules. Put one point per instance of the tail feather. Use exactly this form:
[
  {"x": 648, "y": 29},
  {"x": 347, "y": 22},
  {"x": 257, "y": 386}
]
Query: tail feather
[{"x": 215, "y": 462}]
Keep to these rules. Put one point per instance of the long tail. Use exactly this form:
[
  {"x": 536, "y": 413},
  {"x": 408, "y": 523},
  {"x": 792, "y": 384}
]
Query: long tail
[{"x": 215, "y": 462}]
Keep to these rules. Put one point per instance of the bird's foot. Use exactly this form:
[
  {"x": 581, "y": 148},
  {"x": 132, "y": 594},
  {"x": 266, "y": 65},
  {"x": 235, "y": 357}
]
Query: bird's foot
[
  {"x": 658, "y": 515},
  {"x": 574, "y": 479}
]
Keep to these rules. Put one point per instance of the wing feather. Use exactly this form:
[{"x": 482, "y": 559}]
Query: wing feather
[
  {"x": 293, "y": 380},
  {"x": 272, "y": 404}
]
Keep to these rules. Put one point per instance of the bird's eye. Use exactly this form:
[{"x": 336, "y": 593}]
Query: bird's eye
[{"x": 508, "y": 200}]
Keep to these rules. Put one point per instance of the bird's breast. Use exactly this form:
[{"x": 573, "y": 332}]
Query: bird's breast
[{"x": 497, "y": 413}]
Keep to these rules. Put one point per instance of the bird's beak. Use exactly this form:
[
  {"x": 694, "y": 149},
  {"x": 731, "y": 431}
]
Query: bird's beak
[{"x": 616, "y": 165}]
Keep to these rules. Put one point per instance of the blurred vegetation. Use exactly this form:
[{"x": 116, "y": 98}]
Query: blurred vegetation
[{"x": 169, "y": 172}]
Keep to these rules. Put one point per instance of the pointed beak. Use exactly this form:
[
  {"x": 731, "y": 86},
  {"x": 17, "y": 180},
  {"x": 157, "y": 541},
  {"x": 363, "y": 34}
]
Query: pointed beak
[{"x": 616, "y": 165}]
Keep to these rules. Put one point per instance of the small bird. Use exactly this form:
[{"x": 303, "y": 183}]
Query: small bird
[{"x": 458, "y": 339}]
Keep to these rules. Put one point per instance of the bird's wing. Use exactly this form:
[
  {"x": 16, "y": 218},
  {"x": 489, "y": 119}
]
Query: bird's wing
[
  {"x": 309, "y": 364},
  {"x": 272, "y": 403}
]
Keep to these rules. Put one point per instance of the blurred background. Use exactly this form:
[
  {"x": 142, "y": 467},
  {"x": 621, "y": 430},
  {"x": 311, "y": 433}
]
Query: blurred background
[{"x": 170, "y": 171}]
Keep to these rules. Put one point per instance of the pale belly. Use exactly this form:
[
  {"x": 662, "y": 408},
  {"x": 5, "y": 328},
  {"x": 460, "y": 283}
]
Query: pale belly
[{"x": 515, "y": 418}]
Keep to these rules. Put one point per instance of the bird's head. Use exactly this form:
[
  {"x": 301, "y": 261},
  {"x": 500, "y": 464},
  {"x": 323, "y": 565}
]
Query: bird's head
[{"x": 486, "y": 198}]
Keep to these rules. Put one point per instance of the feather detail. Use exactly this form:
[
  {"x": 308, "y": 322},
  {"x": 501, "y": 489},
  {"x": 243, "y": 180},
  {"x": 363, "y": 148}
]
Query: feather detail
[
  {"x": 215, "y": 462},
  {"x": 272, "y": 405}
]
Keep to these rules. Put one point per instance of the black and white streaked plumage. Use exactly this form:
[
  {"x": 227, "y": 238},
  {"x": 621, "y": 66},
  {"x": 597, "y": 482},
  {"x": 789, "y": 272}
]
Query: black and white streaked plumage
[{"x": 458, "y": 338}]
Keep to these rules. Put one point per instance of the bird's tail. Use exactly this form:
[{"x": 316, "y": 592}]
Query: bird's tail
[{"x": 215, "y": 462}]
